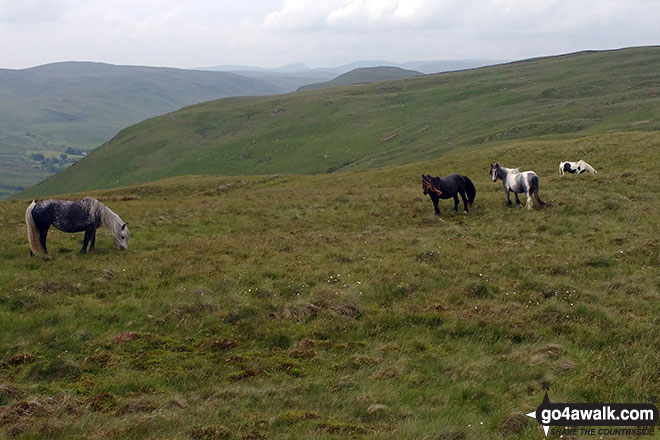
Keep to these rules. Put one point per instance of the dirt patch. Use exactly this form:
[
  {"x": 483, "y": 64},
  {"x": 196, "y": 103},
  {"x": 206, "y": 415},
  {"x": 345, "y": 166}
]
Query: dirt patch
[
  {"x": 18, "y": 359},
  {"x": 209, "y": 433},
  {"x": 51, "y": 287},
  {"x": 102, "y": 402},
  {"x": 8, "y": 391},
  {"x": 126, "y": 337},
  {"x": 515, "y": 424},
  {"x": 20, "y": 411},
  {"x": 218, "y": 344},
  {"x": 348, "y": 309},
  {"x": 341, "y": 429}
]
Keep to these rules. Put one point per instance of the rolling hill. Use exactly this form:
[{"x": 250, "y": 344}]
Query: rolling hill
[
  {"x": 380, "y": 124},
  {"x": 362, "y": 76},
  {"x": 78, "y": 105}
]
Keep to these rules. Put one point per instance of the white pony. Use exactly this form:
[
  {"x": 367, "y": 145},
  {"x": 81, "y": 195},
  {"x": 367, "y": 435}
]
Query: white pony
[
  {"x": 578, "y": 167},
  {"x": 514, "y": 180}
]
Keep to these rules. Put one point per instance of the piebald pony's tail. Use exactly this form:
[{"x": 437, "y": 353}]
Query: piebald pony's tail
[
  {"x": 32, "y": 231},
  {"x": 470, "y": 190}
]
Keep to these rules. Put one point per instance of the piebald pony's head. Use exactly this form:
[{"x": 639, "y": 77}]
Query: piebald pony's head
[{"x": 494, "y": 171}]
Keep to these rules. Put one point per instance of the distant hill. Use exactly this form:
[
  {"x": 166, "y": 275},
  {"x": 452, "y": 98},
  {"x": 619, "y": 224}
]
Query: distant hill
[
  {"x": 371, "y": 125},
  {"x": 429, "y": 66},
  {"x": 50, "y": 109},
  {"x": 364, "y": 75}
]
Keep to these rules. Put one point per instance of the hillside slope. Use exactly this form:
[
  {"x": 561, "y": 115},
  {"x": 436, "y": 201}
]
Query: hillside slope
[
  {"x": 339, "y": 306},
  {"x": 362, "y": 76},
  {"x": 80, "y": 105},
  {"x": 380, "y": 124}
]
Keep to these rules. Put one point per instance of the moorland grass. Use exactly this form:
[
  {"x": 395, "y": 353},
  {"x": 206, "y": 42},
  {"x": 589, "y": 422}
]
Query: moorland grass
[{"x": 339, "y": 306}]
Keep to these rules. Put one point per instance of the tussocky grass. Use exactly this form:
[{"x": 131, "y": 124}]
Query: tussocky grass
[{"x": 339, "y": 306}]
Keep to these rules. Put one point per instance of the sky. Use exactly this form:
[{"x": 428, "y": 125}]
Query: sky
[{"x": 317, "y": 33}]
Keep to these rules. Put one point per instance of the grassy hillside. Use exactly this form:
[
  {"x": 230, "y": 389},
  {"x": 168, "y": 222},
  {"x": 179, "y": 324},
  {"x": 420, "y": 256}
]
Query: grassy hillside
[
  {"x": 389, "y": 123},
  {"x": 82, "y": 105},
  {"x": 364, "y": 75},
  {"x": 338, "y": 306}
]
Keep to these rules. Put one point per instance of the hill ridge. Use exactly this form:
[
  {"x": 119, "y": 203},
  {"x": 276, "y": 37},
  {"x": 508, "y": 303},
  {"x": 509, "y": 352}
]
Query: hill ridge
[
  {"x": 393, "y": 122},
  {"x": 364, "y": 75}
]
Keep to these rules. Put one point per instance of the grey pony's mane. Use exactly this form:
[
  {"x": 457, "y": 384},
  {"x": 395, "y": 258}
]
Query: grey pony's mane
[{"x": 109, "y": 220}]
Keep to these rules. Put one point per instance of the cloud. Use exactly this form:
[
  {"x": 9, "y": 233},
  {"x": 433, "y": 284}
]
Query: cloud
[
  {"x": 382, "y": 13},
  {"x": 300, "y": 15},
  {"x": 350, "y": 14},
  {"x": 33, "y": 11},
  {"x": 189, "y": 33}
]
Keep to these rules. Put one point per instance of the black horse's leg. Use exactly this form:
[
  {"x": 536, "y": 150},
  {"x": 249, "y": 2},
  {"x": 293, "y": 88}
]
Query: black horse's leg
[
  {"x": 434, "y": 199},
  {"x": 465, "y": 205},
  {"x": 456, "y": 202},
  {"x": 517, "y": 199}
]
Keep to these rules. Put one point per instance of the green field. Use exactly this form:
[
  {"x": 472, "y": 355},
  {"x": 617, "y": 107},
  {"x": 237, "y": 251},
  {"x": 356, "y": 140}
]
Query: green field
[
  {"x": 337, "y": 306},
  {"x": 381, "y": 124}
]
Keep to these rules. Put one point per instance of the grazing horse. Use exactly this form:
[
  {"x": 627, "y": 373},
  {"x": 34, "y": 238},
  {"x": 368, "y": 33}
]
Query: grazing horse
[
  {"x": 578, "y": 167},
  {"x": 514, "y": 180},
  {"x": 85, "y": 215},
  {"x": 447, "y": 187}
]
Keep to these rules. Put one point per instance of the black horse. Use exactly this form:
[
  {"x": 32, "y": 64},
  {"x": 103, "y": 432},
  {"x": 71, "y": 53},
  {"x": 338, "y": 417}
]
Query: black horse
[{"x": 447, "y": 187}]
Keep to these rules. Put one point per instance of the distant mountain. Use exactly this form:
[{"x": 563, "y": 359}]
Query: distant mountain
[
  {"x": 290, "y": 68},
  {"x": 293, "y": 76},
  {"x": 432, "y": 66},
  {"x": 76, "y": 106},
  {"x": 364, "y": 75},
  {"x": 440, "y": 66}
]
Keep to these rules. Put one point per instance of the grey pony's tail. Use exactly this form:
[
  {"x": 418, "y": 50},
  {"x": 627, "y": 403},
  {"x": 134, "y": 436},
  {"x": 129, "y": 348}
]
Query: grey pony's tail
[
  {"x": 32, "y": 231},
  {"x": 535, "y": 190},
  {"x": 470, "y": 190}
]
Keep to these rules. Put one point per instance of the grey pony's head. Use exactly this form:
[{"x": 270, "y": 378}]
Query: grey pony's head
[{"x": 120, "y": 236}]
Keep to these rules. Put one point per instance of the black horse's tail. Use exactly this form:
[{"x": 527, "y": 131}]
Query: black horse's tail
[{"x": 470, "y": 190}]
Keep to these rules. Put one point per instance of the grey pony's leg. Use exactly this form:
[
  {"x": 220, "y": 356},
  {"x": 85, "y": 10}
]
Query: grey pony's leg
[
  {"x": 506, "y": 193},
  {"x": 517, "y": 199},
  {"x": 88, "y": 237},
  {"x": 43, "y": 233},
  {"x": 92, "y": 240}
]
